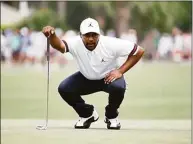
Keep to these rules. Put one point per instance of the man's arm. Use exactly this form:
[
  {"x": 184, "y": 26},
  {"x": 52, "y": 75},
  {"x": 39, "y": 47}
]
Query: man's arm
[
  {"x": 131, "y": 60},
  {"x": 55, "y": 42},
  {"x": 58, "y": 44}
]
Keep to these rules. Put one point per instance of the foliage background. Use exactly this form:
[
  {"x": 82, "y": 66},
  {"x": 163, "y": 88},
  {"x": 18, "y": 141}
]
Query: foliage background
[{"x": 142, "y": 16}]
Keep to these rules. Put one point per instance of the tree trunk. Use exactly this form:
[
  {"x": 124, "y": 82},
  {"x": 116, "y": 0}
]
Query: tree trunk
[
  {"x": 44, "y": 4},
  {"x": 122, "y": 18},
  {"x": 61, "y": 9}
]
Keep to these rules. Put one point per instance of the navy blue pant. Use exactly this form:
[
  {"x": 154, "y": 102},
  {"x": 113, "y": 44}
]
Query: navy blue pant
[{"x": 72, "y": 88}]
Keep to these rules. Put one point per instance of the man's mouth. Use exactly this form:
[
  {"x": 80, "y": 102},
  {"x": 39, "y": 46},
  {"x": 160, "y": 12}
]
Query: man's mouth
[{"x": 90, "y": 44}]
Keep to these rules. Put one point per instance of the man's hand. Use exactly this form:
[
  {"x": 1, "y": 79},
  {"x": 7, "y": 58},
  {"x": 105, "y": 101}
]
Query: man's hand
[
  {"x": 55, "y": 41},
  {"x": 48, "y": 31},
  {"x": 113, "y": 75}
]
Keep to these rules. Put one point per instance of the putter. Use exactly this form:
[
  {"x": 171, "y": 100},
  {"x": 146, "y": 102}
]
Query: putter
[{"x": 45, "y": 126}]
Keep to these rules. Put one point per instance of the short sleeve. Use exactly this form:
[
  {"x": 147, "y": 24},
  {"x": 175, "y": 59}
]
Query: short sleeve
[
  {"x": 120, "y": 47},
  {"x": 71, "y": 43}
]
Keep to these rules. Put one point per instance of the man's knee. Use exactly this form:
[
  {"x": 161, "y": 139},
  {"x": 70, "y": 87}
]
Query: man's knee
[
  {"x": 62, "y": 88},
  {"x": 117, "y": 87},
  {"x": 66, "y": 96}
]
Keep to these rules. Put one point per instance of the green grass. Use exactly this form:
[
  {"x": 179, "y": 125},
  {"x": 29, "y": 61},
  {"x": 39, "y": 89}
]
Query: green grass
[
  {"x": 155, "y": 91},
  {"x": 90, "y": 136}
]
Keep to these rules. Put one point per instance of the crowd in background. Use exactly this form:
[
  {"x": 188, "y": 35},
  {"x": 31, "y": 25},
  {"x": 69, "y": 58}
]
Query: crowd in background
[{"x": 27, "y": 46}]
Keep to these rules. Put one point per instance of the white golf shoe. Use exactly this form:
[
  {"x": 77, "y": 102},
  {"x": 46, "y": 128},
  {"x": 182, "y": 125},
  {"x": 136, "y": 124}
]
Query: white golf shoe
[
  {"x": 113, "y": 123},
  {"x": 84, "y": 123}
]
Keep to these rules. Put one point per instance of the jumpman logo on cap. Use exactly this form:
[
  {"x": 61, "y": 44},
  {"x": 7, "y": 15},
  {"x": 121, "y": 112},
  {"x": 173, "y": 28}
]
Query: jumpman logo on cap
[{"x": 90, "y": 25}]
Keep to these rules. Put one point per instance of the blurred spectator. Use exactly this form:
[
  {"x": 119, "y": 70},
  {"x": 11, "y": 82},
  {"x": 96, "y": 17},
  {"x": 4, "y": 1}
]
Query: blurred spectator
[
  {"x": 5, "y": 50},
  {"x": 27, "y": 46},
  {"x": 111, "y": 33},
  {"x": 130, "y": 35},
  {"x": 37, "y": 50},
  {"x": 68, "y": 34},
  {"x": 150, "y": 44},
  {"x": 187, "y": 48},
  {"x": 177, "y": 50},
  {"x": 164, "y": 47},
  {"x": 25, "y": 43},
  {"x": 15, "y": 45},
  {"x": 56, "y": 56}
]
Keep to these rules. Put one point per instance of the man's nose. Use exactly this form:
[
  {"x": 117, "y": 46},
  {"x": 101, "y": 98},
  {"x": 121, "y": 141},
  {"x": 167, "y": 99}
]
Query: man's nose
[{"x": 90, "y": 38}]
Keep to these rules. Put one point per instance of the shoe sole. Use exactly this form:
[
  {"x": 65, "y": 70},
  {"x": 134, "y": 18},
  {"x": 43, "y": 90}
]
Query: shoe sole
[
  {"x": 87, "y": 125},
  {"x": 114, "y": 128}
]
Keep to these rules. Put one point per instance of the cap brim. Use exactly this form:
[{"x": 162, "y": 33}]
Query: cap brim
[{"x": 90, "y": 30}]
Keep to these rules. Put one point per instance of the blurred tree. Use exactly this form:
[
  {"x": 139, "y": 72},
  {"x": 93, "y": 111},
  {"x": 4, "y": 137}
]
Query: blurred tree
[
  {"x": 44, "y": 4},
  {"x": 120, "y": 16},
  {"x": 122, "y": 10},
  {"x": 101, "y": 12},
  {"x": 76, "y": 12},
  {"x": 182, "y": 17},
  {"x": 160, "y": 15},
  {"x": 40, "y": 19},
  {"x": 147, "y": 16},
  {"x": 111, "y": 15},
  {"x": 12, "y": 3},
  {"x": 61, "y": 10}
]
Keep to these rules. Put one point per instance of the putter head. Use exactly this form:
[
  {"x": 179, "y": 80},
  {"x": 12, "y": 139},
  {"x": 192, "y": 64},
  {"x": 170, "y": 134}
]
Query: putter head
[{"x": 41, "y": 127}]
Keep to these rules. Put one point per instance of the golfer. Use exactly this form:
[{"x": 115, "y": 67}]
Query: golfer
[{"x": 96, "y": 57}]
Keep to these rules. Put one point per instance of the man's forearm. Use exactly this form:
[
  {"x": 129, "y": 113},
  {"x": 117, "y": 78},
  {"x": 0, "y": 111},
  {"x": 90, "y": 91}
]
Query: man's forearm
[
  {"x": 131, "y": 61},
  {"x": 57, "y": 43}
]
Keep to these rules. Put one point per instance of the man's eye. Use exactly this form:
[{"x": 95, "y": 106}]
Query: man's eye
[{"x": 95, "y": 35}]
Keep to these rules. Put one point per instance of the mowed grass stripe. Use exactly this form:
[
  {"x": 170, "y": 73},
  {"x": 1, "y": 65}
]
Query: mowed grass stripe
[
  {"x": 132, "y": 132},
  {"x": 154, "y": 91}
]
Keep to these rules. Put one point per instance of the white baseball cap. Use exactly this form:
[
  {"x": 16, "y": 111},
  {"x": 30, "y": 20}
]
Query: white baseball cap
[{"x": 89, "y": 25}]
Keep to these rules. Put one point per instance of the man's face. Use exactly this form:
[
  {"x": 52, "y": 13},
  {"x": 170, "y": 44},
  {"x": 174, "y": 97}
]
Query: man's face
[{"x": 90, "y": 40}]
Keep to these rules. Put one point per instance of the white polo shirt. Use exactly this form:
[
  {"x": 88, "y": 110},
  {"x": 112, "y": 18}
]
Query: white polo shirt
[{"x": 94, "y": 65}]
